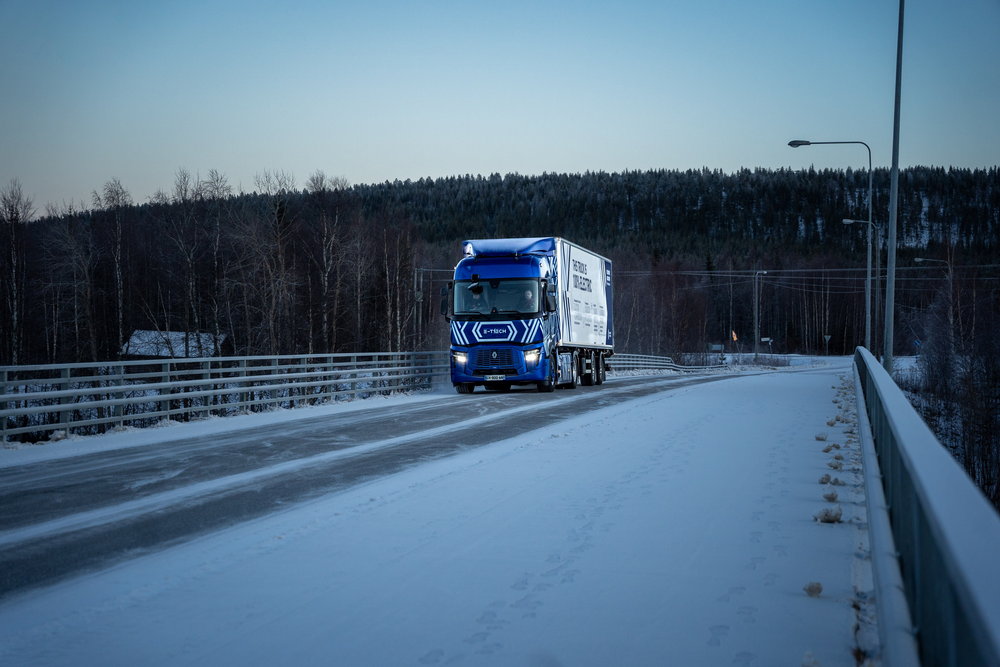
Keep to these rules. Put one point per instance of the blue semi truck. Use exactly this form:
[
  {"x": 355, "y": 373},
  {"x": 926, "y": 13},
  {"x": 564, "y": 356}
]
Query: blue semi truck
[{"x": 529, "y": 311}]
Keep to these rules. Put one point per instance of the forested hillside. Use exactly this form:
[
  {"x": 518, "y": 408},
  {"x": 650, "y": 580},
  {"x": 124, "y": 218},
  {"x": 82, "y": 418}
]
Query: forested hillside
[{"x": 329, "y": 267}]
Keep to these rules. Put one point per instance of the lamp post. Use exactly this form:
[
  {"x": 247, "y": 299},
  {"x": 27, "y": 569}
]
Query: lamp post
[
  {"x": 890, "y": 263},
  {"x": 796, "y": 143},
  {"x": 756, "y": 314}
]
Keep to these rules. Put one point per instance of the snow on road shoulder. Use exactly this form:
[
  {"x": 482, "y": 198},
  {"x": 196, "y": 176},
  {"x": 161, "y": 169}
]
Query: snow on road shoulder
[
  {"x": 674, "y": 529},
  {"x": 14, "y": 453}
]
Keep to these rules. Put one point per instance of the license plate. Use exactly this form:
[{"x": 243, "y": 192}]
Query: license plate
[{"x": 495, "y": 378}]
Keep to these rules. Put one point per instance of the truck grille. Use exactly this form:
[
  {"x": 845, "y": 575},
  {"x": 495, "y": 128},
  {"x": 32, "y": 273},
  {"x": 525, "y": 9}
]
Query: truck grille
[{"x": 495, "y": 358}]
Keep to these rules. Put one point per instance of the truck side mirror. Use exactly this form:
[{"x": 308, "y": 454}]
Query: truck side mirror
[
  {"x": 550, "y": 301},
  {"x": 548, "y": 297}
]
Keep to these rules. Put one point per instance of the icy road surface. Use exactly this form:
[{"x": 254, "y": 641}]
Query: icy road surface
[{"x": 672, "y": 528}]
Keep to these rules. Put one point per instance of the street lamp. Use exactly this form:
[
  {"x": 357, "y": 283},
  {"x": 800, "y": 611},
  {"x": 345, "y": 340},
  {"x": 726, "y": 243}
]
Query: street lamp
[
  {"x": 796, "y": 143},
  {"x": 756, "y": 314}
]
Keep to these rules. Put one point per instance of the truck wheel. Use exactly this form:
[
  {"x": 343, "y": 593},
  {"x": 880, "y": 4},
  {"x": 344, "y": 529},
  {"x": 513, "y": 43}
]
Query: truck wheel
[
  {"x": 576, "y": 373},
  {"x": 549, "y": 384},
  {"x": 600, "y": 372},
  {"x": 465, "y": 387},
  {"x": 589, "y": 379}
]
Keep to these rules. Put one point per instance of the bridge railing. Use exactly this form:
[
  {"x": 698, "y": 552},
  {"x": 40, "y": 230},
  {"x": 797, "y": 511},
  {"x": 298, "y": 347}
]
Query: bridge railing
[
  {"x": 635, "y": 362},
  {"x": 36, "y": 401},
  {"x": 93, "y": 398},
  {"x": 946, "y": 534}
]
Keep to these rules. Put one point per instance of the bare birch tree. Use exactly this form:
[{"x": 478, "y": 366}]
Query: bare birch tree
[
  {"x": 114, "y": 198},
  {"x": 16, "y": 209},
  {"x": 217, "y": 191},
  {"x": 71, "y": 259}
]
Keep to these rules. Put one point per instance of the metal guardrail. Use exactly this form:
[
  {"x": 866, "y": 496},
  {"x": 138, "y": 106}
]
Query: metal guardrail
[
  {"x": 91, "y": 398},
  {"x": 633, "y": 362},
  {"x": 947, "y": 534},
  {"x": 895, "y": 627},
  {"x": 36, "y": 401}
]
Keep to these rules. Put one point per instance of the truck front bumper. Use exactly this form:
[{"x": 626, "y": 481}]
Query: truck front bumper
[{"x": 481, "y": 364}]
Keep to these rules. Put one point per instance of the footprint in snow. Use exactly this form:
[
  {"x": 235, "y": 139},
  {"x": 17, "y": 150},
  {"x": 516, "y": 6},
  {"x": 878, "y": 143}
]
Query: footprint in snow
[
  {"x": 489, "y": 649},
  {"x": 733, "y": 591},
  {"x": 718, "y": 633},
  {"x": 431, "y": 657},
  {"x": 491, "y": 620},
  {"x": 748, "y": 614},
  {"x": 527, "y": 602}
]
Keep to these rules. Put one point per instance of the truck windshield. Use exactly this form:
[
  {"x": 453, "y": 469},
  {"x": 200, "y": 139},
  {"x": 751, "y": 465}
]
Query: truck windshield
[{"x": 495, "y": 297}]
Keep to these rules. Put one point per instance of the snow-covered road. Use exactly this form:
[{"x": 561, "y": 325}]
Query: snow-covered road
[
  {"x": 673, "y": 529},
  {"x": 80, "y": 509}
]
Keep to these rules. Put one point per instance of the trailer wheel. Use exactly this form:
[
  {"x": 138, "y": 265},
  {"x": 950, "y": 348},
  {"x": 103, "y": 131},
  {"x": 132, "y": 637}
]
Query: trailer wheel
[
  {"x": 465, "y": 387},
  {"x": 600, "y": 371},
  {"x": 590, "y": 378},
  {"x": 576, "y": 372}
]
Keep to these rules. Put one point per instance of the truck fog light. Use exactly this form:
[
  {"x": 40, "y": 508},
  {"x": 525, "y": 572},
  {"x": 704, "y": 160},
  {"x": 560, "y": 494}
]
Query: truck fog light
[
  {"x": 460, "y": 357},
  {"x": 531, "y": 356}
]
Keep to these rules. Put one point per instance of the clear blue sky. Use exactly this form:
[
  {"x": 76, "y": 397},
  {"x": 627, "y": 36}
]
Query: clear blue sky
[{"x": 383, "y": 90}]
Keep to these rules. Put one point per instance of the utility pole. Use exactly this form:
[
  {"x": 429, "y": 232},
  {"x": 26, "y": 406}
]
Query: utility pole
[{"x": 756, "y": 314}]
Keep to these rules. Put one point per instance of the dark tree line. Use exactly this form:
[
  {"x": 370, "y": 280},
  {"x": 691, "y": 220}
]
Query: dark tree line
[
  {"x": 275, "y": 271},
  {"x": 335, "y": 268}
]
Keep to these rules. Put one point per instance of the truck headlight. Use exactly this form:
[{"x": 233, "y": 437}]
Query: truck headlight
[
  {"x": 531, "y": 357},
  {"x": 459, "y": 357}
]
